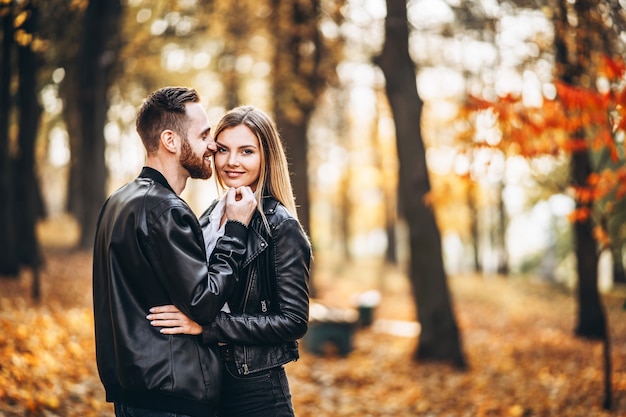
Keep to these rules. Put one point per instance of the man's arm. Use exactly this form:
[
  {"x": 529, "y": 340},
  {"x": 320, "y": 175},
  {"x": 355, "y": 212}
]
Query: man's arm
[
  {"x": 176, "y": 250},
  {"x": 182, "y": 258},
  {"x": 176, "y": 247}
]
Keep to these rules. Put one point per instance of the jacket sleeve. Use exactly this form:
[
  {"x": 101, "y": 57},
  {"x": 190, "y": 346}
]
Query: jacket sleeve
[
  {"x": 292, "y": 254},
  {"x": 178, "y": 256}
]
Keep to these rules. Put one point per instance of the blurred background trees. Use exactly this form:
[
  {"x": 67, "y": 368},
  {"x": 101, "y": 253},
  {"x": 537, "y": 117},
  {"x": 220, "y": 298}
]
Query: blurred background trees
[{"x": 484, "y": 185}]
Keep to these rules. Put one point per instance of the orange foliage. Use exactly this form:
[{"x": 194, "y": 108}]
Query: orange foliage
[
  {"x": 534, "y": 131},
  {"x": 577, "y": 120},
  {"x": 579, "y": 214},
  {"x": 593, "y": 103},
  {"x": 612, "y": 69},
  {"x": 517, "y": 334},
  {"x": 601, "y": 237}
]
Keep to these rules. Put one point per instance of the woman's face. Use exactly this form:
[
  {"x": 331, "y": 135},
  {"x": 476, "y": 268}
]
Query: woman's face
[{"x": 238, "y": 157}]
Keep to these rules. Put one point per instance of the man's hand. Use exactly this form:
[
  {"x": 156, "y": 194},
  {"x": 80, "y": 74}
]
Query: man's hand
[
  {"x": 172, "y": 321},
  {"x": 240, "y": 204}
]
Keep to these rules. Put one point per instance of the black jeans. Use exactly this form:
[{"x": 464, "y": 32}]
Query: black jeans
[
  {"x": 123, "y": 410},
  {"x": 260, "y": 394}
]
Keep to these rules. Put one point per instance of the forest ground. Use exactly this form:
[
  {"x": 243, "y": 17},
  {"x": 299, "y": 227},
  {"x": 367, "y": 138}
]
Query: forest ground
[{"x": 517, "y": 335}]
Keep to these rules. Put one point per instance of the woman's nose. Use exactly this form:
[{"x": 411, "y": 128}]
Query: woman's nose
[{"x": 232, "y": 159}]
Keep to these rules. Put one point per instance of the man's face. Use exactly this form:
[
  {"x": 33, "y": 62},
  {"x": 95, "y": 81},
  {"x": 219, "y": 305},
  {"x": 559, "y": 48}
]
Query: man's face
[
  {"x": 198, "y": 165},
  {"x": 198, "y": 145}
]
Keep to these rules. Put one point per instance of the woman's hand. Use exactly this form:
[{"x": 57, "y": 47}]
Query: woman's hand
[{"x": 172, "y": 321}]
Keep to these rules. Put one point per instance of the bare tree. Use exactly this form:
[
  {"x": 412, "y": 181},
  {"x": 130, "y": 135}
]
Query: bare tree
[
  {"x": 98, "y": 61},
  {"x": 27, "y": 193},
  {"x": 580, "y": 36},
  {"x": 22, "y": 205},
  {"x": 9, "y": 265},
  {"x": 304, "y": 63},
  {"x": 439, "y": 338}
]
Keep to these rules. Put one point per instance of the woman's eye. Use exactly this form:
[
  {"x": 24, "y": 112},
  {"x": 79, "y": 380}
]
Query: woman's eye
[{"x": 220, "y": 149}]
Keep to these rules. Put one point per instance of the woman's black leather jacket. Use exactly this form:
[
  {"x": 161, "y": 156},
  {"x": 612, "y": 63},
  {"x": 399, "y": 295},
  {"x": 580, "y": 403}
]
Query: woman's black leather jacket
[{"x": 270, "y": 306}]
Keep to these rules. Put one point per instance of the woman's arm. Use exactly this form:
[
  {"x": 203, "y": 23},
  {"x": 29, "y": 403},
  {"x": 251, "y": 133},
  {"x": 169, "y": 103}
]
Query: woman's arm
[
  {"x": 287, "y": 322},
  {"x": 172, "y": 321},
  {"x": 293, "y": 257}
]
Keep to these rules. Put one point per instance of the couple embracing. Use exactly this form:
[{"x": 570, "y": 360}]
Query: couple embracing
[{"x": 197, "y": 317}]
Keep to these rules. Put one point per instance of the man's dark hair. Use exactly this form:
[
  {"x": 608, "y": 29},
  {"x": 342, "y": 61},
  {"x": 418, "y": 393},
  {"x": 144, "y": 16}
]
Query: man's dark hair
[{"x": 161, "y": 110}]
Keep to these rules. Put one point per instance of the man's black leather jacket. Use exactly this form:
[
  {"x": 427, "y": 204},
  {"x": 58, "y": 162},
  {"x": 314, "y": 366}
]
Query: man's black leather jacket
[
  {"x": 149, "y": 251},
  {"x": 270, "y": 306}
]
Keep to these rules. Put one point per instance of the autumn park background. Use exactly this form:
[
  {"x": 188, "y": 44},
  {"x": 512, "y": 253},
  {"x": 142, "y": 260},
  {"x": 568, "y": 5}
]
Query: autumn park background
[{"x": 461, "y": 160}]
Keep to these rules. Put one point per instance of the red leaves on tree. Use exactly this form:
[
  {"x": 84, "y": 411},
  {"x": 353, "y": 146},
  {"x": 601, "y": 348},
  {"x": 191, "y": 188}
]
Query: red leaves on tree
[
  {"x": 613, "y": 69},
  {"x": 576, "y": 120}
]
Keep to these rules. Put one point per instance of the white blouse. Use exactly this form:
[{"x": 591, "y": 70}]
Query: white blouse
[{"x": 213, "y": 231}]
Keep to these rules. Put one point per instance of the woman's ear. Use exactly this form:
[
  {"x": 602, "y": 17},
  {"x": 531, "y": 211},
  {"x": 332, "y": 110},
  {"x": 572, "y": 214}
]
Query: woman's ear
[{"x": 169, "y": 140}]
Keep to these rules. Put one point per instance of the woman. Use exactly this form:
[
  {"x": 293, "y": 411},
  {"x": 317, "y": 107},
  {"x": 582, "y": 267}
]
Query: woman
[{"x": 259, "y": 325}]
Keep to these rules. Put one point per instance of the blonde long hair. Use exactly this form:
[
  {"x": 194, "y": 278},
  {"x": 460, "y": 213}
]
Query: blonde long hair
[{"x": 274, "y": 176}]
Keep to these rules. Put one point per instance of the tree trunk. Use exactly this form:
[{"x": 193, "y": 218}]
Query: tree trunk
[
  {"x": 575, "y": 46},
  {"x": 612, "y": 223},
  {"x": 591, "y": 317},
  {"x": 294, "y": 136},
  {"x": 98, "y": 60},
  {"x": 301, "y": 70},
  {"x": 68, "y": 59},
  {"x": 391, "y": 221},
  {"x": 389, "y": 196},
  {"x": 27, "y": 195},
  {"x": 294, "y": 25},
  {"x": 503, "y": 253},
  {"x": 474, "y": 230},
  {"x": 574, "y": 67},
  {"x": 9, "y": 265},
  {"x": 619, "y": 275},
  {"x": 71, "y": 116},
  {"x": 439, "y": 338}
]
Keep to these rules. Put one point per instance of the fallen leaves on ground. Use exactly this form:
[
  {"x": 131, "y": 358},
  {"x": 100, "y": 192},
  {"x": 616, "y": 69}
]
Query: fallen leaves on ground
[{"x": 516, "y": 333}]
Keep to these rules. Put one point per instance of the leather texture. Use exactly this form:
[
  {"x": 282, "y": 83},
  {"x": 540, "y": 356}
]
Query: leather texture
[
  {"x": 149, "y": 251},
  {"x": 270, "y": 306}
]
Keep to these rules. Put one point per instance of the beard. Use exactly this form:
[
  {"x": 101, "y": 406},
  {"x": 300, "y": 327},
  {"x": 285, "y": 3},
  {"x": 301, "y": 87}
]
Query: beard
[{"x": 193, "y": 163}]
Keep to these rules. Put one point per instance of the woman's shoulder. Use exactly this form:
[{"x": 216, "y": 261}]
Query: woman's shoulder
[
  {"x": 272, "y": 208},
  {"x": 280, "y": 219}
]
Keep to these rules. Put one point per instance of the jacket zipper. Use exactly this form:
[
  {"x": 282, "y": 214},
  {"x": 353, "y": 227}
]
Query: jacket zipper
[
  {"x": 248, "y": 291},
  {"x": 244, "y": 366}
]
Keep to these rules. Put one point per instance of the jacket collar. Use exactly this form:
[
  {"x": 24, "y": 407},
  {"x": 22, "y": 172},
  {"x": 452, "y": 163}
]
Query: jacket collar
[
  {"x": 256, "y": 243},
  {"x": 155, "y": 176}
]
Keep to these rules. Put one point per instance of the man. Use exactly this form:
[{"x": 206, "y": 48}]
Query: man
[{"x": 149, "y": 251}]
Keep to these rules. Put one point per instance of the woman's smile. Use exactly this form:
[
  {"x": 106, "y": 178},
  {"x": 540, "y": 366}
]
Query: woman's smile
[{"x": 234, "y": 174}]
